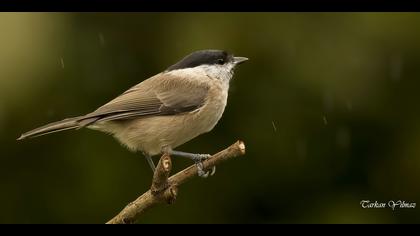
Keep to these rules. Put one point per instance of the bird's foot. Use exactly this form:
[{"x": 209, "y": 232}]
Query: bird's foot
[{"x": 199, "y": 158}]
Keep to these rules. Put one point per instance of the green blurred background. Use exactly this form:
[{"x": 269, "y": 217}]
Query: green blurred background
[{"x": 328, "y": 107}]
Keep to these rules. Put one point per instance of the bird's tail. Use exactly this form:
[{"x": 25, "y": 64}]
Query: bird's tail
[{"x": 70, "y": 123}]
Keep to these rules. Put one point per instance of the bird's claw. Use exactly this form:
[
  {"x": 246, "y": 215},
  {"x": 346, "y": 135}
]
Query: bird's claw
[
  {"x": 200, "y": 167},
  {"x": 213, "y": 171},
  {"x": 200, "y": 171}
]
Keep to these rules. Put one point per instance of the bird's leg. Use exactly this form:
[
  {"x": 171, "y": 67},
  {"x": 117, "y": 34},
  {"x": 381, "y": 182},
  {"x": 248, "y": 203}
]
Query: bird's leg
[
  {"x": 150, "y": 161},
  {"x": 197, "y": 158}
]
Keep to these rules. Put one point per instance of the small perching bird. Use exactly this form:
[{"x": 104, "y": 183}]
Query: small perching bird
[{"x": 165, "y": 110}]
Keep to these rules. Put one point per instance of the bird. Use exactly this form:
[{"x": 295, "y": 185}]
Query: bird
[{"x": 164, "y": 111}]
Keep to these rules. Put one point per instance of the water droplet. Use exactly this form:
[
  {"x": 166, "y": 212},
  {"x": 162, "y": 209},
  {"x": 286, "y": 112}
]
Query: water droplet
[
  {"x": 274, "y": 126},
  {"x": 62, "y": 62},
  {"x": 101, "y": 39}
]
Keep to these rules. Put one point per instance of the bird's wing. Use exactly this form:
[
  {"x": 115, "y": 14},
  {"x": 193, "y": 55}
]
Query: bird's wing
[{"x": 163, "y": 94}]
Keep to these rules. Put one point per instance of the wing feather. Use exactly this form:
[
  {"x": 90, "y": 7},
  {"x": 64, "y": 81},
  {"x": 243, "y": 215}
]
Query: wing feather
[{"x": 163, "y": 94}]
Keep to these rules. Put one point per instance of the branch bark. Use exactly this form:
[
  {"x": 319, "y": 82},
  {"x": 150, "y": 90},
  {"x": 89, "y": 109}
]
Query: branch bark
[{"x": 164, "y": 189}]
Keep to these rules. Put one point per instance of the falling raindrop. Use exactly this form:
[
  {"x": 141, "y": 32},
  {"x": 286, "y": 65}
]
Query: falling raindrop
[
  {"x": 101, "y": 39},
  {"x": 274, "y": 126},
  {"x": 324, "y": 118},
  {"x": 62, "y": 62}
]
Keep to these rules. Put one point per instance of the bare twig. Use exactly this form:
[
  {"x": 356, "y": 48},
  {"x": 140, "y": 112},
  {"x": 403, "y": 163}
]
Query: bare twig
[{"x": 164, "y": 189}]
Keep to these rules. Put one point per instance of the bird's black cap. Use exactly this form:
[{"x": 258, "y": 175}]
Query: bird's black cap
[{"x": 202, "y": 57}]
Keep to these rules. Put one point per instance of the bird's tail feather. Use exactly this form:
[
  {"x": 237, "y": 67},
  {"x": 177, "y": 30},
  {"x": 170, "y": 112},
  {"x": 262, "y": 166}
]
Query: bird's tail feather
[{"x": 66, "y": 124}]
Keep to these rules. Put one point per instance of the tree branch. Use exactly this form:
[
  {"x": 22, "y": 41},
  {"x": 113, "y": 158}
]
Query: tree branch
[{"x": 164, "y": 189}]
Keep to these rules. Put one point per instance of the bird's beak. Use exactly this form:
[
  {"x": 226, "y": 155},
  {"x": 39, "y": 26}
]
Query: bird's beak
[{"x": 239, "y": 60}]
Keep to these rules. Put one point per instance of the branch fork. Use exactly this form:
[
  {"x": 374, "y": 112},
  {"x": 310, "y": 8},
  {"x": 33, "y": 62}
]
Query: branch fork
[
  {"x": 161, "y": 188},
  {"x": 164, "y": 189}
]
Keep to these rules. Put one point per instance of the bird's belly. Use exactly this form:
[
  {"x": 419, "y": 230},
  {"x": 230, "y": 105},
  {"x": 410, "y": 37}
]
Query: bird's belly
[{"x": 152, "y": 134}]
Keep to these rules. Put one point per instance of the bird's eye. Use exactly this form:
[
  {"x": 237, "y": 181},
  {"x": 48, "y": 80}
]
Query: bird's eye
[{"x": 220, "y": 61}]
